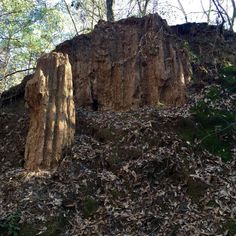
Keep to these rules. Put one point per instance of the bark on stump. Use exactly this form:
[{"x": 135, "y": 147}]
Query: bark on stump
[{"x": 49, "y": 96}]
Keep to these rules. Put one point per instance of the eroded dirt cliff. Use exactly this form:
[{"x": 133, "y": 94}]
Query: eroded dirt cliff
[
  {"x": 49, "y": 95},
  {"x": 117, "y": 58},
  {"x": 128, "y": 64}
]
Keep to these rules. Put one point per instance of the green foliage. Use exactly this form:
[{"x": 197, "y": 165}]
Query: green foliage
[
  {"x": 27, "y": 29},
  {"x": 230, "y": 227},
  {"x": 228, "y": 78},
  {"x": 27, "y": 229},
  {"x": 115, "y": 194},
  {"x": 213, "y": 93},
  {"x": 215, "y": 129},
  {"x": 194, "y": 58},
  {"x": 228, "y": 69},
  {"x": 89, "y": 206},
  {"x": 55, "y": 226},
  {"x": 212, "y": 128},
  {"x": 11, "y": 224}
]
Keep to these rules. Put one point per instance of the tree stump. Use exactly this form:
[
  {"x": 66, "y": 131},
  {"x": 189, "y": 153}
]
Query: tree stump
[{"x": 49, "y": 96}]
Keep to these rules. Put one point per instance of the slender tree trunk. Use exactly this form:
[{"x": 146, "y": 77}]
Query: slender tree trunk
[
  {"x": 140, "y": 7},
  {"x": 92, "y": 21},
  {"x": 110, "y": 14},
  {"x": 6, "y": 61},
  {"x": 29, "y": 63},
  {"x": 207, "y": 12},
  {"x": 183, "y": 11},
  {"x": 68, "y": 10},
  {"x": 223, "y": 14},
  {"x": 234, "y": 14},
  {"x": 143, "y": 7}
]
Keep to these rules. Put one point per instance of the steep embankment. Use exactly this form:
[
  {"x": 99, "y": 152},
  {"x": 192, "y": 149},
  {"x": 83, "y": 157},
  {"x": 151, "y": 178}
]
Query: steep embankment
[{"x": 153, "y": 171}]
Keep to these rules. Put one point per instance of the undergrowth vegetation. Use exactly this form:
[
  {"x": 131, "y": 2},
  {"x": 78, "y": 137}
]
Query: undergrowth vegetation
[
  {"x": 213, "y": 125},
  {"x": 10, "y": 226}
]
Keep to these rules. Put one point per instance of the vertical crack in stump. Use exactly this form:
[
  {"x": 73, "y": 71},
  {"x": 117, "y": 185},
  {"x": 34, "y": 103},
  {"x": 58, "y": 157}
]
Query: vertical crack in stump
[{"x": 49, "y": 96}]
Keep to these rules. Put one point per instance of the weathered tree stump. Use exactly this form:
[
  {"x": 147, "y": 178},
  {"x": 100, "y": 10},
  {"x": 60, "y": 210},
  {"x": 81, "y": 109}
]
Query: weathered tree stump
[{"x": 49, "y": 96}]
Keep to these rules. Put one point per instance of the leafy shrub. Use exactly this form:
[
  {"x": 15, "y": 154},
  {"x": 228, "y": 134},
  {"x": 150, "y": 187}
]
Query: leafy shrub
[
  {"x": 228, "y": 78},
  {"x": 212, "y": 128},
  {"x": 215, "y": 129},
  {"x": 11, "y": 223},
  {"x": 90, "y": 206}
]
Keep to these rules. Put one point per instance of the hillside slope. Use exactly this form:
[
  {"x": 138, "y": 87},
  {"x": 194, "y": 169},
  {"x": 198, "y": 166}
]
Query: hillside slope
[{"x": 152, "y": 171}]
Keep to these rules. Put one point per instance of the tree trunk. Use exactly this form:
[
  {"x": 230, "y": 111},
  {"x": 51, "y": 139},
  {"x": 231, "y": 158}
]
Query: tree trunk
[
  {"x": 183, "y": 11},
  {"x": 110, "y": 14},
  {"x": 142, "y": 6},
  {"x": 233, "y": 15},
  {"x": 72, "y": 19}
]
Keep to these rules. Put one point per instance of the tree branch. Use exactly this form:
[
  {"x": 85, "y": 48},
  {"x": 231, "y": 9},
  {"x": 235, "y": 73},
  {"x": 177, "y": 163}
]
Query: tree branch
[
  {"x": 68, "y": 10},
  {"x": 221, "y": 11},
  {"x": 234, "y": 13},
  {"x": 183, "y": 11},
  {"x": 9, "y": 13},
  {"x": 18, "y": 71}
]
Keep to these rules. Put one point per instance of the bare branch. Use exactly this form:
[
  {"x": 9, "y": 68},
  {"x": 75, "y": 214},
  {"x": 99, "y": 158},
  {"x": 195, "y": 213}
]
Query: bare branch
[
  {"x": 110, "y": 14},
  {"x": 207, "y": 12},
  {"x": 234, "y": 13},
  {"x": 68, "y": 10},
  {"x": 222, "y": 12},
  {"x": 18, "y": 71},
  {"x": 10, "y": 13},
  {"x": 183, "y": 11}
]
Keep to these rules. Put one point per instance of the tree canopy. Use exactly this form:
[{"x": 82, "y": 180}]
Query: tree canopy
[{"x": 27, "y": 29}]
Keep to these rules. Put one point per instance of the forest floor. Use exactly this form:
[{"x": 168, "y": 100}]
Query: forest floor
[{"x": 144, "y": 172}]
